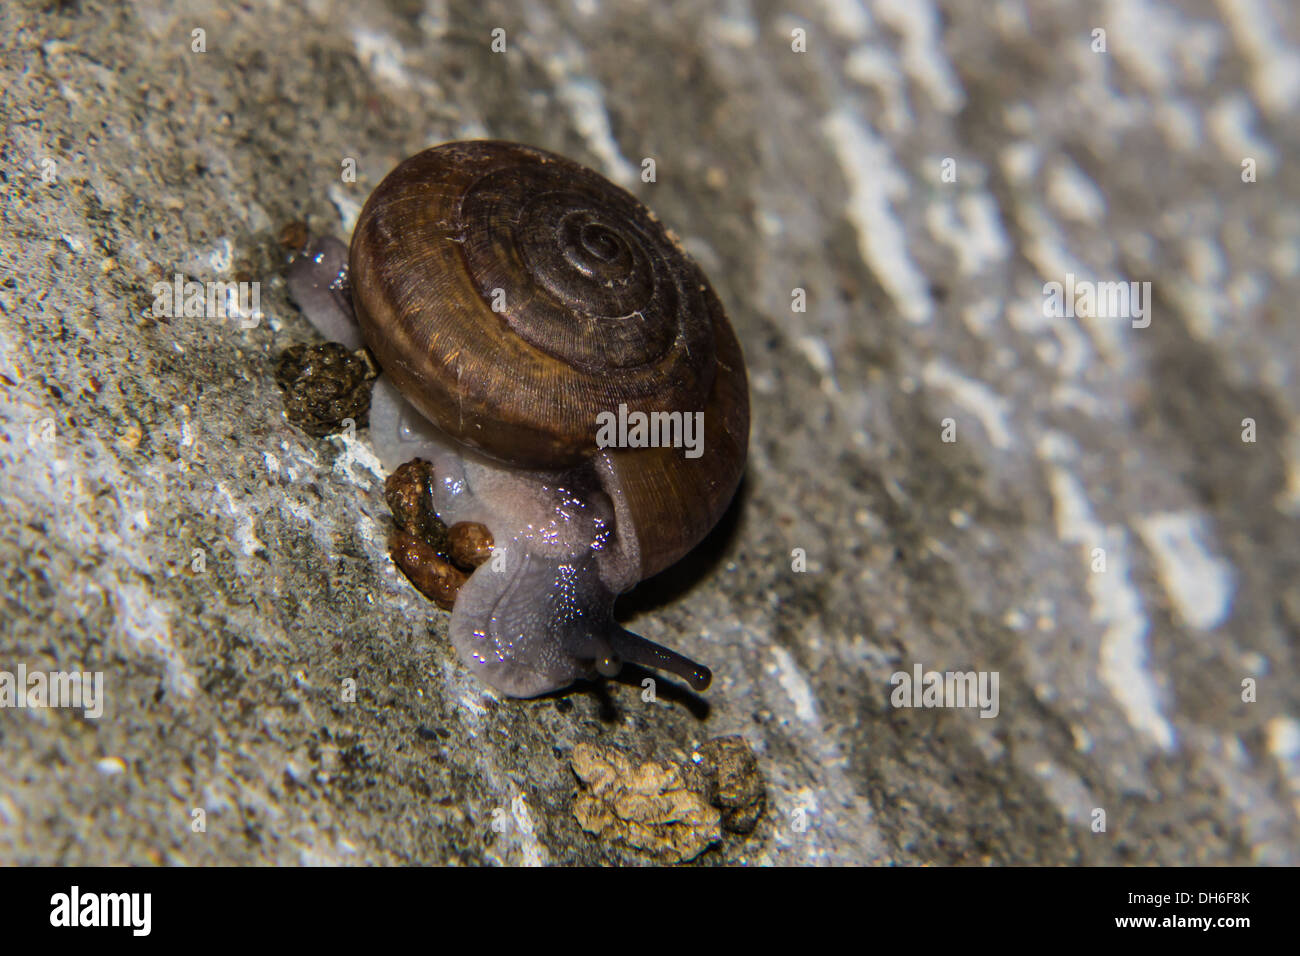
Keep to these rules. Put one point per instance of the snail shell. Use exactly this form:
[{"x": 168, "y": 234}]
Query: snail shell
[
  {"x": 599, "y": 307},
  {"x": 513, "y": 296}
]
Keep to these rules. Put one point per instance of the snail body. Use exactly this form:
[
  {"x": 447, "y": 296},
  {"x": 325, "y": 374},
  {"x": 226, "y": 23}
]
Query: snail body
[{"x": 516, "y": 300}]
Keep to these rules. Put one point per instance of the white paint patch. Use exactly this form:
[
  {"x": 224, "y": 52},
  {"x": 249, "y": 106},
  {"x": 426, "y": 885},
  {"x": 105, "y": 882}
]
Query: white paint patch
[
  {"x": 435, "y": 20},
  {"x": 382, "y": 55},
  {"x": 1276, "y": 66},
  {"x": 145, "y": 628},
  {"x": 1073, "y": 194},
  {"x": 769, "y": 223},
  {"x": 819, "y": 356},
  {"x": 1246, "y": 292},
  {"x": 1284, "y": 260},
  {"x": 1179, "y": 123},
  {"x": 1230, "y": 123},
  {"x": 1198, "y": 581},
  {"x": 1020, "y": 161},
  {"x": 370, "y": 531},
  {"x": 469, "y": 698},
  {"x": 736, "y": 29},
  {"x": 917, "y": 21},
  {"x": 1078, "y": 399},
  {"x": 220, "y": 257},
  {"x": 874, "y": 182},
  {"x": 1265, "y": 824},
  {"x": 471, "y": 128},
  {"x": 10, "y": 815},
  {"x": 1284, "y": 738},
  {"x": 1205, "y": 263},
  {"x": 1284, "y": 745},
  {"x": 794, "y": 684},
  {"x": 1116, "y": 604},
  {"x": 1144, "y": 37},
  {"x": 349, "y": 207},
  {"x": 972, "y": 228},
  {"x": 1203, "y": 306},
  {"x": 1046, "y": 247},
  {"x": 357, "y": 454},
  {"x": 877, "y": 68},
  {"x": 533, "y": 851},
  {"x": 1288, "y": 500},
  {"x": 981, "y": 315},
  {"x": 245, "y": 534},
  {"x": 1066, "y": 790},
  {"x": 585, "y": 100},
  {"x": 988, "y": 406},
  {"x": 847, "y": 18}
]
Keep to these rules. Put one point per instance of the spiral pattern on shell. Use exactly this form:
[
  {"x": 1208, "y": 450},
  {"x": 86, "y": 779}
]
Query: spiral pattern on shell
[{"x": 514, "y": 295}]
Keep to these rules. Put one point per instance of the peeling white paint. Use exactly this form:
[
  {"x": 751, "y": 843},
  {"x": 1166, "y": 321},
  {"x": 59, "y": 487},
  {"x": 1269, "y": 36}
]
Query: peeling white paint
[
  {"x": 1197, "y": 580},
  {"x": 1116, "y": 603},
  {"x": 794, "y": 684},
  {"x": 990, "y": 408},
  {"x": 1073, "y": 194},
  {"x": 357, "y": 454},
  {"x": 917, "y": 21},
  {"x": 144, "y": 624},
  {"x": 971, "y": 228},
  {"x": 1275, "y": 77},
  {"x": 1230, "y": 123},
  {"x": 874, "y": 182},
  {"x": 847, "y": 18},
  {"x": 818, "y": 354},
  {"x": 585, "y": 100},
  {"x": 1067, "y": 792},
  {"x": 382, "y": 55},
  {"x": 348, "y": 206},
  {"x": 1284, "y": 745}
]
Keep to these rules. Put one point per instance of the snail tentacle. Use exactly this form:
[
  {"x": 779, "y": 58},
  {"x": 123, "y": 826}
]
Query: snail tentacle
[{"x": 317, "y": 279}]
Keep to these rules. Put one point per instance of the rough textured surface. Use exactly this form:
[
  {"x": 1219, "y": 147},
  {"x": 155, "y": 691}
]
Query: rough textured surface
[
  {"x": 646, "y": 806},
  {"x": 164, "y": 524},
  {"x": 733, "y": 781}
]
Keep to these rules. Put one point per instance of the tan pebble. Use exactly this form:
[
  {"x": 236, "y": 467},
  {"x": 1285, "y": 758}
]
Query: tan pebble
[
  {"x": 435, "y": 578},
  {"x": 471, "y": 543}
]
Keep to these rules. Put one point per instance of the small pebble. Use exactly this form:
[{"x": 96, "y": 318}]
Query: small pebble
[
  {"x": 294, "y": 236},
  {"x": 324, "y": 385},
  {"x": 471, "y": 543},
  {"x": 409, "y": 492},
  {"x": 734, "y": 782},
  {"x": 433, "y": 576},
  {"x": 111, "y": 766},
  {"x": 645, "y": 805}
]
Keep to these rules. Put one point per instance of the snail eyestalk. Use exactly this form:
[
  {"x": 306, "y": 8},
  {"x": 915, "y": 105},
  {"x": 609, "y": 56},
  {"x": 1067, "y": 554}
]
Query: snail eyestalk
[
  {"x": 635, "y": 648},
  {"x": 608, "y": 665}
]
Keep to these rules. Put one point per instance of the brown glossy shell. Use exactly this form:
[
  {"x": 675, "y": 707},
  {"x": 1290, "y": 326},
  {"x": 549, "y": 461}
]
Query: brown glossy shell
[{"x": 595, "y": 306}]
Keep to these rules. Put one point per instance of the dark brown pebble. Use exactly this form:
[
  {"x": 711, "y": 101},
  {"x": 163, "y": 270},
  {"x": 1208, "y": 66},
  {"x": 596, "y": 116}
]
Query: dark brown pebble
[{"x": 324, "y": 385}]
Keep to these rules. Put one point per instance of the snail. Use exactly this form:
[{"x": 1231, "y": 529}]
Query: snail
[{"x": 519, "y": 305}]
